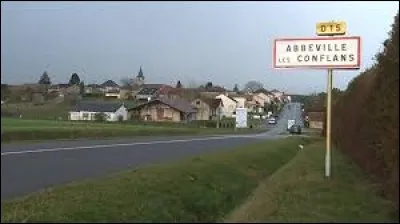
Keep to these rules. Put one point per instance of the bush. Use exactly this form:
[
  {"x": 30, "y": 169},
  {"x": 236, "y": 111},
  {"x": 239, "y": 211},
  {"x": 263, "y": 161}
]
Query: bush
[{"x": 120, "y": 118}]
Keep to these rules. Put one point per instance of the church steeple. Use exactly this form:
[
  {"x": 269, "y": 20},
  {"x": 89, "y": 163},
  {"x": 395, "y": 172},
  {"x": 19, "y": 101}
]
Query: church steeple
[{"x": 140, "y": 75}]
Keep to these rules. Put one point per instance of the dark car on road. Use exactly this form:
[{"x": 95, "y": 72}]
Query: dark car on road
[
  {"x": 295, "y": 129},
  {"x": 272, "y": 120}
]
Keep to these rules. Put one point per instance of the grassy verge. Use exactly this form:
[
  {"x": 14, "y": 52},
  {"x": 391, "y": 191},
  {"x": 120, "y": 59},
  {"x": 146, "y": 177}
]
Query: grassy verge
[
  {"x": 298, "y": 192},
  {"x": 22, "y": 130},
  {"x": 200, "y": 189}
]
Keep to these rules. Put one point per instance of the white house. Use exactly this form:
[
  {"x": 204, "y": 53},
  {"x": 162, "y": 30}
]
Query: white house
[
  {"x": 229, "y": 105},
  {"x": 268, "y": 98},
  {"x": 278, "y": 94},
  {"x": 241, "y": 101},
  {"x": 88, "y": 110},
  {"x": 110, "y": 86}
]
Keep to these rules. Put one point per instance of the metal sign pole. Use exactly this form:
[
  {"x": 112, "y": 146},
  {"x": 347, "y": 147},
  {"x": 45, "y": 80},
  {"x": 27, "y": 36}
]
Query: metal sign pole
[{"x": 328, "y": 125}]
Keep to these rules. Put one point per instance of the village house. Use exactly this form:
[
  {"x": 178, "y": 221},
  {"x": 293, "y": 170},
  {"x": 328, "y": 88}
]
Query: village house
[
  {"x": 240, "y": 99},
  {"x": 229, "y": 105},
  {"x": 253, "y": 103},
  {"x": 315, "y": 113},
  {"x": 278, "y": 94},
  {"x": 266, "y": 95},
  {"x": 148, "y": 92},
  {"x": 163, "y": 109},
  {"x": 58, "y": 88},
  {"x": 315, "y": 119},
  {"x": 110, "y": 86},
  {"x": 113, "y": 111},
  {"x": 207, "y": 108},
  {"x": 92, "y": 88},
  {"x": 64, "y": 89}
]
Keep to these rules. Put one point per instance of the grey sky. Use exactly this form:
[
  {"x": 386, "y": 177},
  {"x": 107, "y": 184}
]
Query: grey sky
[{"x": 225, "y": 42}]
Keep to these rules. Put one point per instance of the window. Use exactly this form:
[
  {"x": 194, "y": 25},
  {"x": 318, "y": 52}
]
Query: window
[{"x": 198, "y": 102}]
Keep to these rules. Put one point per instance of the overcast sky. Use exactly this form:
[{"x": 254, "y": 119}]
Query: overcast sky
[{"x": 195, "y": 42}]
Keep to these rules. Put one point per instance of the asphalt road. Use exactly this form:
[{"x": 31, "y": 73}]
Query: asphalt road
[{"x": 27, "y": 168}]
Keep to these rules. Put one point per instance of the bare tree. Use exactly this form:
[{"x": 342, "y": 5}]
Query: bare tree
[
  {"x": 252, "y": 86},
  {"x": 192, "y": 84},
  {"x": 127, "y": 83}
]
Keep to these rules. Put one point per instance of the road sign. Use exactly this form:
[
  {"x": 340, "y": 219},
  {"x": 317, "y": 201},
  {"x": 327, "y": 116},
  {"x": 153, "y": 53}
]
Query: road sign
[
  {"x": 319, "y": 52},
  {"x": 331, "y": 28},
  {"x": 241, "y": 118}
]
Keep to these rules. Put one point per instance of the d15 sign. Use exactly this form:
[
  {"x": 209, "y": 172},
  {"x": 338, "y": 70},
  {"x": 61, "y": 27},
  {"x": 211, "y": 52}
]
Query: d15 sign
[
  {"x": 331, "y": 28},
  {"x": 320, "y": 52}
]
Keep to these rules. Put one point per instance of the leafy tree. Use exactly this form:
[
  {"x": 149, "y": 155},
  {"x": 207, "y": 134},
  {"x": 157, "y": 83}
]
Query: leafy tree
[
  {"x": 5, "y": 91},
  {"x": 253, "y": 86},
  {"x": 74, "y": 80},
  {"x": 100, "y": 117},
  {"x": 81, "y": 87},
  {"x": 208, "y": 85},
  {"x": 236, "y": 88},
  {"x": 44, "y": 79},
  {"x": 179, "y": 84}
]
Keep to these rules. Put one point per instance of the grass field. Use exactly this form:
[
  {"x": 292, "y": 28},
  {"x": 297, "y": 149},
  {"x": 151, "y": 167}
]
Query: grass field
[
  {"x": 199, "y": 189},
  {"x": 299, "y": 192},
  {"x": 267, "y": 181},
  {"x": 22, "y": 129},
  {"x": 50, "y": 111}
]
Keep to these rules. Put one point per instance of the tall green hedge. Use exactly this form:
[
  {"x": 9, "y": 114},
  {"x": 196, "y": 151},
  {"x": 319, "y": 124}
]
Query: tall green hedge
[{"x": 365, "y": 122}]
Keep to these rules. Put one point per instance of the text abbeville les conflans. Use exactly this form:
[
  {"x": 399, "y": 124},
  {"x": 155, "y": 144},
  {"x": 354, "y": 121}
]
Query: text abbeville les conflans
[{"x": 309, "y": 48}]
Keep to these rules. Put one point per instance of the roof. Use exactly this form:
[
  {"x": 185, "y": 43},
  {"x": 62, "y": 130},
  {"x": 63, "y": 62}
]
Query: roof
[
  {"x": 151, "y": 89},
  {"x": 93, "y": 85},
  {"x": 147, "y": 91},
  {"x": 231, "y": 98},
  {"x": 158, "y": 86},
  {"x": 211, "y": 102},
  {"x": 97, "y": 106},
  {"x": 61, "y": 85},
  {"x": 213, "y": 89},
  {"x": 237, "y": 95},
  {"x": 178, "y": 104},
  {"x": 109, "y": 83},
  {"x": 316, "y": 116},
  {"x": 114, "y": 91}
]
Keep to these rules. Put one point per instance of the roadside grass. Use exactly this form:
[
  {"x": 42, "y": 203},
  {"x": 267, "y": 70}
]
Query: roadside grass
[
  {"x": 298, "y": 192},
  {"x": 200, "y": 189},
  {"x": 22, "y": 130}
]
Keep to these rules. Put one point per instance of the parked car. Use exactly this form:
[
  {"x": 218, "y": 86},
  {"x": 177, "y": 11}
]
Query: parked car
[
  {"x": 295, "y": 129},
  {"x": 272, "y": 120}
]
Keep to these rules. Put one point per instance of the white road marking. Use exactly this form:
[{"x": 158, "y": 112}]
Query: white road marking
[{"x": 118, "y": 145}]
